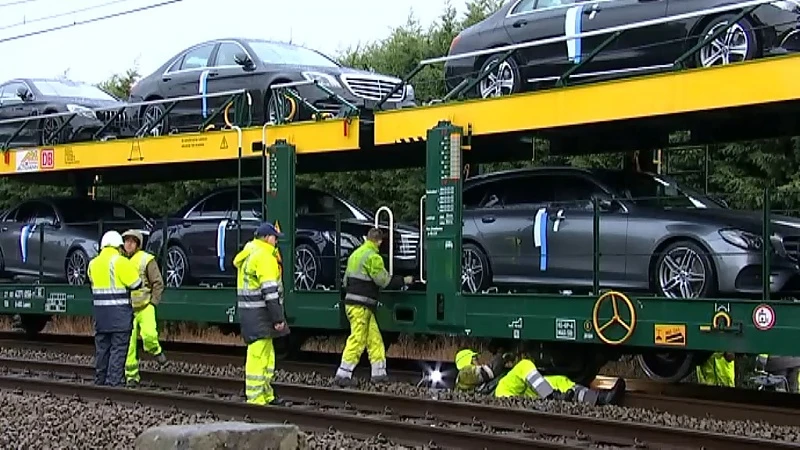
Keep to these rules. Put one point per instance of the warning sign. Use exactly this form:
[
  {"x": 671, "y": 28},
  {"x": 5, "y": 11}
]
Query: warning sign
[
  {"x": 674, "y": 335},
  {"x": 224, "y": 144},
  {"x": 27, "y": 160}
]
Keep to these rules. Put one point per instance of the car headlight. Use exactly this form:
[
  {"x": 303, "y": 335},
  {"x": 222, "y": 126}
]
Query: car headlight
[
  {"x": 742, "y": 239},
  {"x": 787, "y": 5},
  {"x": 81, "y": 111},
  {"x": 348, "y": 242},
  {"x": 323, "y": 79},
  {"x": 409, "y": 92},
  {"x": 96, "y": 247}
]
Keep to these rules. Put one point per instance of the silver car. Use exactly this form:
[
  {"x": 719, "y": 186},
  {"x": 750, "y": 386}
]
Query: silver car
[{"x": 55, "y": 237}]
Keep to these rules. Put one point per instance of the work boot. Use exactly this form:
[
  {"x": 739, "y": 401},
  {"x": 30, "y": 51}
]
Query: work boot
[
  {"x": 380, "y": 379},
  {"x": 161, "y": 358},
  {"x": 344, "y": 382},
  {"x": 277, "y": 401},
  {"x": 132, "y": 383},
  {"x": 612, "y": 396}
]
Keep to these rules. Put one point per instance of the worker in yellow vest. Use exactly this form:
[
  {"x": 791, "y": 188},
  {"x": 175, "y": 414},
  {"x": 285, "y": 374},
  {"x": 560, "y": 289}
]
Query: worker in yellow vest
[
  {"x": 475, "y": 377},
  {"x": 143, "y": 302},
  {"x": 113, "y": 277},
  {"x": 525, "y": 380},
  {"x": 717, "y": 370}
]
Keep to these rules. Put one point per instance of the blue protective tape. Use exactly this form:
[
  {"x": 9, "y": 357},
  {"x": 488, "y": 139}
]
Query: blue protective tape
[
  {"x": 203, "y": 91},
  {"x": 221, "y": 229},
  {"x": 578, "y": 28},
  {"x": 543, "y": 238},
  {"x": 24, "y": 234}
]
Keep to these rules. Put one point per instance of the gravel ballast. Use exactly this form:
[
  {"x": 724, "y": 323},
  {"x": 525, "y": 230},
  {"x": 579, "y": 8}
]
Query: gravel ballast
[{"x": 741, "y": 428}]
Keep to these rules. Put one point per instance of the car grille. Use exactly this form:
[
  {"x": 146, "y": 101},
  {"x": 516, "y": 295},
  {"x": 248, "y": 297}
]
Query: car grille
[
  {"x": 328, "y": 107},
  {"x": 372, "y": 88},
  {"x": 107, "y": 115},
  {"x": 791, "y": 245},
  {"x": 407, "y": 245}
]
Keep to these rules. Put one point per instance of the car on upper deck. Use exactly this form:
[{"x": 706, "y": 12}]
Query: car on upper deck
[
  {"x": 22, "y": 98},
  {"x": 769, "y": 30},
  {"x": 203, "y": 237},
  {"x": 229, "y": 64},
  {"x": 655, "y": 236},
  {"x": 57, "y": 236}
]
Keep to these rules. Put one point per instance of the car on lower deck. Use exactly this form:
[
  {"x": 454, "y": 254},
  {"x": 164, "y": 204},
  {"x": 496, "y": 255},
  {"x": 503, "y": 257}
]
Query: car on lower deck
[
  {"x": 25, "y": 97},
  {"x": 72, "y": 228},
  {"x": 534, "y": 228},
  {"x": 203, "y": 238},
  {"x": 770, "y": 29},
  {"x": 230, "y": 64}
]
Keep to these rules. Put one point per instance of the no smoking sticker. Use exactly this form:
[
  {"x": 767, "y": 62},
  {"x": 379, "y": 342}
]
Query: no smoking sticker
[{"x": 763, "y": 317}]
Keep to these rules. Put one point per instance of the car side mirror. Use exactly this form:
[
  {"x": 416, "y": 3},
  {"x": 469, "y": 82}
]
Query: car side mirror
[
  {"x": 24, "y": 94},
  {"x": 606, "y": 204},
  {"x": 243, "y": 60}
]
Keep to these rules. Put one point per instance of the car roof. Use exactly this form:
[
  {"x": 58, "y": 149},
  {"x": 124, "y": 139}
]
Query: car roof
[{"x": 534, "y": 170}]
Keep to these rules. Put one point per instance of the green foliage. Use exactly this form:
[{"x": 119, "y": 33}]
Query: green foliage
[{"x": 739, "y": 171}]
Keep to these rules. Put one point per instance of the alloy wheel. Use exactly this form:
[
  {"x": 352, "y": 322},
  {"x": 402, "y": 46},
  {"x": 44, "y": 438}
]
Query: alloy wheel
[
  {"x": 272, "y": 108},
  {"x": 76, "y": 268},
  {"x": 499, "y": 82},
  {"x": 49, "y": 126},
  {"x": 305, "y": 269},
  {"x": 732, "y": 46},
  {"x": 682, "y": 274},
  {"x": 472, "y": 272},
  {"x": 176, "y": 267},
  {"x": 152, "y": 114}
]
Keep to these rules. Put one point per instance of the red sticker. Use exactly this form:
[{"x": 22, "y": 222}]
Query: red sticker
[{"x": 763, "y": 317}]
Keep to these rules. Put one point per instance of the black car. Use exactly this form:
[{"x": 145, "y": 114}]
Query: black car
[
  {"x": 203, "y": 238},
  {"x": 25, "y": 97},
  {"x": 771, "y": 29},
  {"x": 655, "y": 235},
  {"x": 255, "y": 65},
  {"x": 72, "y": 229}
]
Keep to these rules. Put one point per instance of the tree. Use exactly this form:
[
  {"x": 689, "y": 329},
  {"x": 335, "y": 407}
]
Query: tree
[{"x": 119, "y": 85}]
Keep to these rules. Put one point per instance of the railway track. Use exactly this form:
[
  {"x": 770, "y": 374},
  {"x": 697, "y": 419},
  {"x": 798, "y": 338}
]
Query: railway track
[{"x": 404, "y": 420}]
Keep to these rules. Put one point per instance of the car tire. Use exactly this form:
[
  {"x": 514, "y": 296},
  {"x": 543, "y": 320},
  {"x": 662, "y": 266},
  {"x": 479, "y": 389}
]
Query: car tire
[
  {"x": 176, "y": 267},
  {"x": 47, "y": 126},
  {"x": 307, "y": 267},
  {"x": 155, "y": 112},
  {"x": 271, "y": 106},
  {"x": 504, "y": 80},
  {"x": 475, "y": 272},
  {"x": 740, "y": 40},
  {"x": 675, "y": 276},
  {"x": 75, "y": 267}
]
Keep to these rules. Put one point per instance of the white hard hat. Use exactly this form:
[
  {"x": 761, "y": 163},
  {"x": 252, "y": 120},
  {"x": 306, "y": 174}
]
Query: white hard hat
[{"x": 111, "y": 239}]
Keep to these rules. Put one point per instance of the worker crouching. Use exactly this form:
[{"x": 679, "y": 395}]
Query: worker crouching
[
  {"x": 474, "y": 377},
  {"x": 143, "y": 301},
  {"x": 717, "y": 370},
  {"x": 260, "y": 309},
  {"x": 364, "y": 278},
  {"x": 113, "y": 277}
]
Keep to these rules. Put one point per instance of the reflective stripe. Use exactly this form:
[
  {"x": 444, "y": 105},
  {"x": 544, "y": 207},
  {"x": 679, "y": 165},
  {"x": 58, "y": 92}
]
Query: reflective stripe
[
  {"x": 249, "y": 293},
  {"x": 539, "y": 384},
  {"x": 244, "y": 304},
  {"x": 117, "y": 302},
  {"x": 361, "y": 299},
  {"x": 379, "y": 369}
]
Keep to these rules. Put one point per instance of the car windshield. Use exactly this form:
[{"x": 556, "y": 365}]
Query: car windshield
[
  {"x": 277, "y": 53},
  {"x": 78, "y": 211},
  {"x": 657, "y": 191},
  {"x": 55, "y": 88}
]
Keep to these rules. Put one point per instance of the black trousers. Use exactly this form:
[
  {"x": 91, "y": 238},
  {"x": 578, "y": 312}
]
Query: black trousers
[{"x": 111, "y": 349}]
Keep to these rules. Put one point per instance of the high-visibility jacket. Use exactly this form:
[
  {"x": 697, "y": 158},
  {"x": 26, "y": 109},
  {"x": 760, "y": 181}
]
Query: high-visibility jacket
[
  {"x": 259, "y": 303},
  {"x": 525, "y": 380},
  {"x": 472, "y": 376},
  {"x": 113, "y": 276},
  {"x": 141, "y": 297},
  {"x": 717, "y": 371},
  {"x": 366, "y": 275}
]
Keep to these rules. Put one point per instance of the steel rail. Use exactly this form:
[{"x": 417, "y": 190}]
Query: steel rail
[{"x": 586, "y": 429}]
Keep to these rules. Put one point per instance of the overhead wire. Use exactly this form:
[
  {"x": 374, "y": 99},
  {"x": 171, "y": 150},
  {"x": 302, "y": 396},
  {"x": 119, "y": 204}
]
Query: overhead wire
[
  {"x": 63, "y": 14},
  {"x": 17, "y": 2},
  {"x": 87, "y": 21}
]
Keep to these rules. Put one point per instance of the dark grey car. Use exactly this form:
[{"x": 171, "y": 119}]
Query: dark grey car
[
  {"x": 534, "y": 227},
  {"x": 72, "y": 229}
]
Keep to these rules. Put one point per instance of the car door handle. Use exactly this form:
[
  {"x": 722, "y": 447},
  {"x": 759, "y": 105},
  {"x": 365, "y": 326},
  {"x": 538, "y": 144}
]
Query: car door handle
[
  {"x": 488, "y": 219},
  {"x": 212, "y": 74},
  {"x": 519, "y": 23},
  {"x": 166, "y": 78},
  {"x": 4, "y": 229}
]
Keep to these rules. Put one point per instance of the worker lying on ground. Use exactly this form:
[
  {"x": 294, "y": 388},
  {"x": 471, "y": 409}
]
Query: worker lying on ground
[
  {"x": 474, "y": 377},
  {"x": 717, "y": 370},
  {"x": 525, "y": 380}
]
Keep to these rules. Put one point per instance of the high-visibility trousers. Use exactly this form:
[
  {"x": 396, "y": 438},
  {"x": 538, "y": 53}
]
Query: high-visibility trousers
[
  {"x": 259, "y": 368},
  {"x": 144, "y": 325},
  {"x": 364, "y": 334}
]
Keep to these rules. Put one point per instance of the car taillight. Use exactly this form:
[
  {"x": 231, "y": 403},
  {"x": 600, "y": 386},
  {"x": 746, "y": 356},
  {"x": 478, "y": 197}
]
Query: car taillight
[{"x": 453, "y": 44}]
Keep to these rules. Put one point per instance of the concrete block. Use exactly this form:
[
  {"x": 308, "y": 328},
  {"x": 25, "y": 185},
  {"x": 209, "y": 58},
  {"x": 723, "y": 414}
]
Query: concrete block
[{"x": 221, "y": 435}]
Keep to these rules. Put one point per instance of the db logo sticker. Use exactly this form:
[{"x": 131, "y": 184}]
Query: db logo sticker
[
  {"x": 47, "y": 158},
  {"x": 763, "y": 317}
]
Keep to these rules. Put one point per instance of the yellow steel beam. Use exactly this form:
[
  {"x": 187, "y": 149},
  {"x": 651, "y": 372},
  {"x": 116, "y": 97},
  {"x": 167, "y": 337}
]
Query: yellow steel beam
[
  {"x": 750, "y": 83},
  {"x": 308, "y": 137}
]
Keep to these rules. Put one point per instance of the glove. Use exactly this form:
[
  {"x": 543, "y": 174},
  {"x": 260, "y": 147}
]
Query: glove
[
  {"x": 408, "y": 279},
  {"x": 497, "y": 365}
]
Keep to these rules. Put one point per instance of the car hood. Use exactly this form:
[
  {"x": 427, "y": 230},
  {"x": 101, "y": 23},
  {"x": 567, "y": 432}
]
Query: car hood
[
  {"x": 731, "y": 218},
  {"x": 92, "y": 103},
  {"x": 400, "y": 227},
  {"x": 336, "y": 71}
]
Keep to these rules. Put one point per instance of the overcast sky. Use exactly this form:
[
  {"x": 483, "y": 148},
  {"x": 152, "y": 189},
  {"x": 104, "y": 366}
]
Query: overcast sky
[{"x": 94, "y": 51}]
